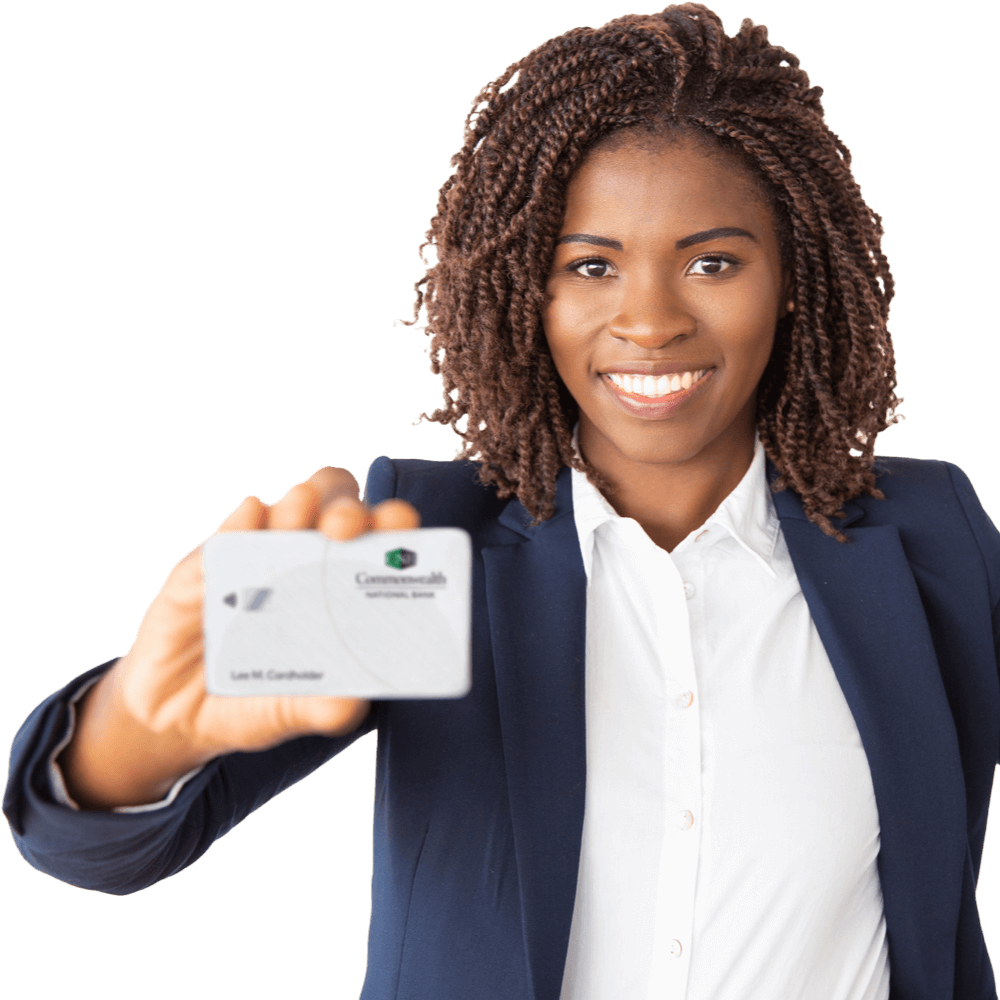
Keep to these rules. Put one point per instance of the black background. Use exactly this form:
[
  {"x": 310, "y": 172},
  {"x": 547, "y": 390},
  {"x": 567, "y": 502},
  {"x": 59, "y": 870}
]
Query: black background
[{"x": 216, "y": 225}]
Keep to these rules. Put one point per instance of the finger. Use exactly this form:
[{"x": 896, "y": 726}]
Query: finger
[
  {"x": 333, "y": 483},
  {"x": 296, "y": 509},
  {"x": 395, "y": 515},
  {"x": 249, "y": 516},
  {"x": 330, "y": 716},
  {"x": 345, "y": 518}
]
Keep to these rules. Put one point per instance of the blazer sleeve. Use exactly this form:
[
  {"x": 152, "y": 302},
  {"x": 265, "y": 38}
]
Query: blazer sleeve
[
  {"x": 987, "y": 537},
  {"x": 120, "y": 853}
]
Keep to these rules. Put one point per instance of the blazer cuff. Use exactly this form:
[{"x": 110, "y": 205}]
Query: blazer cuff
[{"x": 57, "y": 784}]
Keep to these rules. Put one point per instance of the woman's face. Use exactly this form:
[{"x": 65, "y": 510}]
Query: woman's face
[{"x": 662, "y": 303}]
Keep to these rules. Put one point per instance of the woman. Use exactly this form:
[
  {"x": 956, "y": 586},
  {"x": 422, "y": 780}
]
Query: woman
[
  {"x": 651, "y": 237},
  {"x": 737, "y": 805}
]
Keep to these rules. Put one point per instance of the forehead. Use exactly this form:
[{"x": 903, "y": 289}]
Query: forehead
[{"x": 674, "y": 183}]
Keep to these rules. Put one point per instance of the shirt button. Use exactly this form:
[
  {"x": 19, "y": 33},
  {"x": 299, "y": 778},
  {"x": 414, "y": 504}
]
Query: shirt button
[
  {"x": 687, "y": 820},
  {"x": 688, "y": 590},
  {"x": 684, "y": 700},
  {"x": 675, "y": 948}
]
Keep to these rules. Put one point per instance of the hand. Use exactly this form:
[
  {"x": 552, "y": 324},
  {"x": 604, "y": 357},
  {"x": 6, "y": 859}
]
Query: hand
[{"x": 163, "y": 677}]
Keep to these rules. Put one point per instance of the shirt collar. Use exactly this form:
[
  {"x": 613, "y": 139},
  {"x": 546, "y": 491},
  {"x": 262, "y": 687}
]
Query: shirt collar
[{"x": 747, "y": 515}]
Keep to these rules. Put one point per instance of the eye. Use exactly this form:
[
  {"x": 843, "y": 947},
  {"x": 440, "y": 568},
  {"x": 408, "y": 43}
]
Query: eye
[
  {"x": 593, "y": 262},
  {"x": 717, "y": 258},
  {"x": 712, "y": 259}
]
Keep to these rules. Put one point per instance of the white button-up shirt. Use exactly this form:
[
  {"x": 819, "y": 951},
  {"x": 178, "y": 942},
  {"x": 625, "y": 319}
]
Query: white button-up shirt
[{"x": 730, "y": 831}]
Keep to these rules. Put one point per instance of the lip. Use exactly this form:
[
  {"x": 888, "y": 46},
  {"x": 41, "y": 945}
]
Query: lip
[
  {"x": 654, "y": 368},
  {"x": 661, "y": 407}
]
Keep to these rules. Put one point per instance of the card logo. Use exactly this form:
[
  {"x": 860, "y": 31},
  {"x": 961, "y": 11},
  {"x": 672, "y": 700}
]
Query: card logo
[{"x": 400, "y": 559}]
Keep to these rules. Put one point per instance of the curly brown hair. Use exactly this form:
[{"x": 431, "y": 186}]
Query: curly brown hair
[{"x": 828, "y": 389}]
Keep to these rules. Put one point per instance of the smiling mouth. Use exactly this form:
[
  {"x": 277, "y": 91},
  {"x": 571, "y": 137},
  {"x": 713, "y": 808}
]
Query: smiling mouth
[
  {"x": 663, "y": 387},
  {"x": 657, "y": 407}
]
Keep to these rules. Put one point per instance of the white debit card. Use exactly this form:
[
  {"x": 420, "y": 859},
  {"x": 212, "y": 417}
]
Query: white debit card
[{"x": 386, "y": 615}]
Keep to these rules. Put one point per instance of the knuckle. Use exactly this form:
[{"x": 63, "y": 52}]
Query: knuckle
[{"x": 302, "y": 491}]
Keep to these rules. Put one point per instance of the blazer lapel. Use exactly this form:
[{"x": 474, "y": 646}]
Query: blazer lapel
[{"x": 536, "y": 594}]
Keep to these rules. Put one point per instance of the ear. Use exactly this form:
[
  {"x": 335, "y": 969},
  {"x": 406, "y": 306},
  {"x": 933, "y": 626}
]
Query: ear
[{"x": 787, "y": 303}]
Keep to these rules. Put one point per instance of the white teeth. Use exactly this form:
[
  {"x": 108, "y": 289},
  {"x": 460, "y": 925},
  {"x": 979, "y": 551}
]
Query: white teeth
[{"x": 650, "y": 385}]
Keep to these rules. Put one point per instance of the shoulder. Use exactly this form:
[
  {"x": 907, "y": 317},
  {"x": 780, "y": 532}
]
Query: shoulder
[
  {"x": 445, "y": 493},
  {"x": 934, "y": 502},
  {"x": 927, "y": 486}
]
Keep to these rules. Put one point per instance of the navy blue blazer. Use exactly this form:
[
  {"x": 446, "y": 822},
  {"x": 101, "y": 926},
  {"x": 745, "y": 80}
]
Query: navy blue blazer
[{"x": 479, "y": 801}]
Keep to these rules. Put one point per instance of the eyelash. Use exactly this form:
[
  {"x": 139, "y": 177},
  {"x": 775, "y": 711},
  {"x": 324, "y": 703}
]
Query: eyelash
[{"x": 727, "y": 258}]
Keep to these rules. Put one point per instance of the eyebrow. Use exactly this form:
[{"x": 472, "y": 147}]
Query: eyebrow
[{"x": 689, "y": 241}]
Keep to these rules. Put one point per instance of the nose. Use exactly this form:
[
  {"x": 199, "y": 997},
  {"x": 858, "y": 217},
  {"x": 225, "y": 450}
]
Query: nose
[{"x": 651, "y": 318}]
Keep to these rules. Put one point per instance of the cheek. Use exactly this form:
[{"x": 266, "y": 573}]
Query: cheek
[
  {"x": 564, "y": 324},
  {"x": 749, "y": 329}
]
